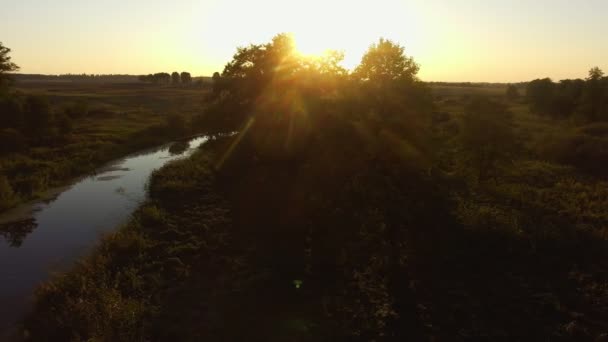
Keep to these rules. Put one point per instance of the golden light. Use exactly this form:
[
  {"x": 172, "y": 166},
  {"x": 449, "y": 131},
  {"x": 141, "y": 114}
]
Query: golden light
[{"x": 349, "y": 26}]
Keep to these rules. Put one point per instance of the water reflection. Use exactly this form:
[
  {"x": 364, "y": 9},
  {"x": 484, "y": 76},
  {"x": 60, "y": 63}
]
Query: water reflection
[
  {"x": 15, "y": 232},
  {"x": 60, "y": 231}
]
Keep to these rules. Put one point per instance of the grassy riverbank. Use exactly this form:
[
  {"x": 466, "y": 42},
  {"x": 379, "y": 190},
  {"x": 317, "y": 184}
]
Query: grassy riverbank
[{"x": 113, "y": 120}]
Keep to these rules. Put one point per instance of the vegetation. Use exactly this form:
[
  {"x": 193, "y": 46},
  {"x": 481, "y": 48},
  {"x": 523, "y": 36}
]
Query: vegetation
[
  {"x": 355, "y": 206},
  {"x": 585, "y": 99},
  {"x": 51, "y": 133}
]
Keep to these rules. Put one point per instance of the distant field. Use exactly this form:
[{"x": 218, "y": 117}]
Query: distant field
[
  {"x": 120, "y": 96},
  {"x": 457, "y": 90}
]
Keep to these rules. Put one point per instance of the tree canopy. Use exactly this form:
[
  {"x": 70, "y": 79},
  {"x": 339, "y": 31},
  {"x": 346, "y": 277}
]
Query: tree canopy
[
  {"x": 386, "y": 61},
  {"x": 6, "y": 66}
]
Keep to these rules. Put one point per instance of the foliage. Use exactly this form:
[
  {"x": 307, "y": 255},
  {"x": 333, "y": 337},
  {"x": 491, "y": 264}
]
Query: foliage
[
  {"x": 6, "y": 66},
  {"x": 587, "y": 99},
  {"x": 160, "y": 77},
  {"x": 385, "y": 62},
  {"x": 487, "y": 136},
  {"x": 185, "y": 77},
  {"x": 585, "y": 148},
  {"x": 175, "y": 78}
]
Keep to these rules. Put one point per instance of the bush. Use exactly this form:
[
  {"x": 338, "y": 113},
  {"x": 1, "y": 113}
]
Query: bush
[{"x": 585, "y": 152}]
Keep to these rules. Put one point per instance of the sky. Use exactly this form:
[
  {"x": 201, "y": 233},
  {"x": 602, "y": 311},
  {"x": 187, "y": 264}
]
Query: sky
[{"x": 452, "y": 40}]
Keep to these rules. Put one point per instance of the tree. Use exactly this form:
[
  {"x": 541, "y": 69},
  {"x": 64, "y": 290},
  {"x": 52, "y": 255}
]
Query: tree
[
  {"x": 512, "y": 92},
  {"x": 540, "y": 94},
  {"x": 175, "y": 78},
  {"x": 186, "y": 77},
  {"x": 386, "y": 61},
  {"x": 6, "y": 66},
  {"x": 595, "y": 96},
  {"x": 595, "y": 74},
  {"x": 390, "y": 83}
]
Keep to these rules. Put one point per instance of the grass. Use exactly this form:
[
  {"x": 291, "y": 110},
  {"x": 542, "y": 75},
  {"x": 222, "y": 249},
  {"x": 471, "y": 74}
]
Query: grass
[{"x": 122, "y": 119}]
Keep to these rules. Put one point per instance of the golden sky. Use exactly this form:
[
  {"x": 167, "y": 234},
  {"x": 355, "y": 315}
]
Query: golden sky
[{"x": 452, "y": 40}]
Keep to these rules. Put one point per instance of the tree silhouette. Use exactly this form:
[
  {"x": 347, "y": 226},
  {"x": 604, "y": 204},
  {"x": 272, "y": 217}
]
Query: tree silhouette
[
  {"x": 595, "y": 74},
  {"x": 186, "y": 77},
  {"x": 386, "y": 61},
  {"x": 175, "y": 78},
  {"x": 6, "y": 66},
  {"x": 539, "y": 94}
]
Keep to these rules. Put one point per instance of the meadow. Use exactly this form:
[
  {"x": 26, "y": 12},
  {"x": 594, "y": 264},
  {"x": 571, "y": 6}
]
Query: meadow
[{"x": 105, "y": 122}]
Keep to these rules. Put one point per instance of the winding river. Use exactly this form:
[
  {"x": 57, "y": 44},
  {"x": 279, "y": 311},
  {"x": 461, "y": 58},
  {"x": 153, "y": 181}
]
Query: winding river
[{"x": 38, "y": 239}]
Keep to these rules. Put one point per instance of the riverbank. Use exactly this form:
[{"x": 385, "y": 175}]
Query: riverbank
[
  {"x": 170, "y": 239},
  {"x": 61, "y": 231},
  {"x": 111, "y": 122}
]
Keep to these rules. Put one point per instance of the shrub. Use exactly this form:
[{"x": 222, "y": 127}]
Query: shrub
[{"x": 585, "y": 152}]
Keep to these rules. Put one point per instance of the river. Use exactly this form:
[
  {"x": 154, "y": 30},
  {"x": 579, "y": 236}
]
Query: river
[{"x": 49, "y": 236}]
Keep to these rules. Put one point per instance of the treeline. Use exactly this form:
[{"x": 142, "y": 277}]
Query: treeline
[
  {"x": 166, "y": 78},
  {"x": 80, "y": 78},
  {"x": 468, "y": 84},
  {"x": 582, "y": 99}
]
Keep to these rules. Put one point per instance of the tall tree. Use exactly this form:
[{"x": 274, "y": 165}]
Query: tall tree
[
  {"x": 175, "y": 78},
  {"x": 389, "y": 79},
  {"x": 386, "y": 61},
  {"x": 186, "y": 77},
  {"x": 6, "y": 66},
  {"x": 540, "y": 94}
]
